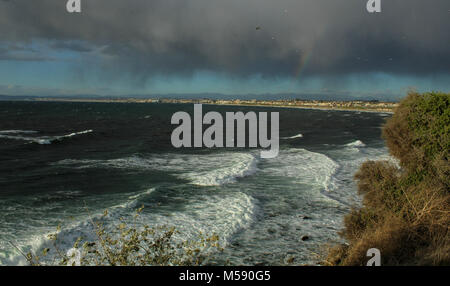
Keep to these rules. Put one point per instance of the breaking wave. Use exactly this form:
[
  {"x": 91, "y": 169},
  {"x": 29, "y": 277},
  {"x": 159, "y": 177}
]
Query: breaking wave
[
  {"x": 231, "y": 168},
  {"x": 203, "y": 170},
  {"x": 42, "y": 140},
  {"x": 304, "y": 166},
  {"x": 217, "y": 214},
  {"x": 293, "y": 137},
  {"x": 357, "y": 143}
]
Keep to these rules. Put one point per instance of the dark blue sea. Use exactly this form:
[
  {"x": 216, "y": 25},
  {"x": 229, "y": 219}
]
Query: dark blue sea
[{"x": 63, "y": 162}]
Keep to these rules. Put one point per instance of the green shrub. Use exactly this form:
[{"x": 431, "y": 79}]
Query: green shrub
[
  {"x": 419, "y": 130},
  {"x": 406, "y": 212}
]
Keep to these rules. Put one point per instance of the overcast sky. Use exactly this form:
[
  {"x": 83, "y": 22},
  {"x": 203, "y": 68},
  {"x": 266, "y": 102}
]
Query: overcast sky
[{"x": 234, "y": 47}]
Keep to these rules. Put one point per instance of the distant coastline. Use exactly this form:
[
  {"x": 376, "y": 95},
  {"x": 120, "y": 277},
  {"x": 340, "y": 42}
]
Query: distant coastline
[{"x": 351, "y": 105}]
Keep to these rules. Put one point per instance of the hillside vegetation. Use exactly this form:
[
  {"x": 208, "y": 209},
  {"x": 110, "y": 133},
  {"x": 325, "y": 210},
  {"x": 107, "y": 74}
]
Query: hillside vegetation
[{"x": 405, "y": 212}]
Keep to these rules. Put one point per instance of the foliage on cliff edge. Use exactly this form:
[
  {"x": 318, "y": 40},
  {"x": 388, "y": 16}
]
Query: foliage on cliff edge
[{"x": 405, "y": 213}]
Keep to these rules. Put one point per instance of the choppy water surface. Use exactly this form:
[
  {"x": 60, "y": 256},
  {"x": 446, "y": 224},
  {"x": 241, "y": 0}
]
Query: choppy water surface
[{"x": 59, "y": 158}]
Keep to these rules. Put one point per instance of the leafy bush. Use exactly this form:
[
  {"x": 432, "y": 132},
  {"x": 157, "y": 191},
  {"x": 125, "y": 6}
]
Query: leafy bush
[
  {"x": 419, "y": 131},
  {"x": 406, "y": 211}
]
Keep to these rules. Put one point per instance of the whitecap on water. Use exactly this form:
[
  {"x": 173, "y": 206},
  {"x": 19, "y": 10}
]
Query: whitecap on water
[
  {"x": 357, "y": 143},
  {"x": 293, "y": 137},
  {"x": 212, "y": 169},
  {"x": 42, "y": 140}
]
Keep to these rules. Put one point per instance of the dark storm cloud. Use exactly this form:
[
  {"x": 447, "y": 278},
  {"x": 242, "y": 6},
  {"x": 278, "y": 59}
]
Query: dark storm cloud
[{"x": 179, "y": 37}]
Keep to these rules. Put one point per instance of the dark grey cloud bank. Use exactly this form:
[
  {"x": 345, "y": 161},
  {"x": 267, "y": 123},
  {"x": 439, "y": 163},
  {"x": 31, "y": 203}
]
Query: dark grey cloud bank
[{"x": 175, "y": 37}]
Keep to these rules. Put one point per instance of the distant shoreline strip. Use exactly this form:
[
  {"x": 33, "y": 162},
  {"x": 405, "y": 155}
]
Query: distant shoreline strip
[{"x": 327, "y": 108}]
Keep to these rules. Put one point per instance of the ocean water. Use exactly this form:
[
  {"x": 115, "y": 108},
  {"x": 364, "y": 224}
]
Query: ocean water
[{"x": 61, "y": 162}]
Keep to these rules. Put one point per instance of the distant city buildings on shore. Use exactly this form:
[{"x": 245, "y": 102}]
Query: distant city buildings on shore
[{"x": 372, "y": 105}]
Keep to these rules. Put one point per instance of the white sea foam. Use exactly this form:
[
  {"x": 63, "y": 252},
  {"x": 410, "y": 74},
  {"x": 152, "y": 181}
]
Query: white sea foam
[
  {"x": 212, "y": 169},
  {"x": 222, "y": 169},
  {"x": 74, "y": 134},
  {"x": 42, "y": 140},
  {"x": 303, "y": 166},
  {"x": 293, "y": 137},
  {"x": 35, "y": 238},
  {"x": 302, "y": 176},
  {"x": 357, "y": 144},
  {"x": 38, "y": 140},
  {"x": 220, "y": 214},
  {"x": 217, "y": 214}
]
